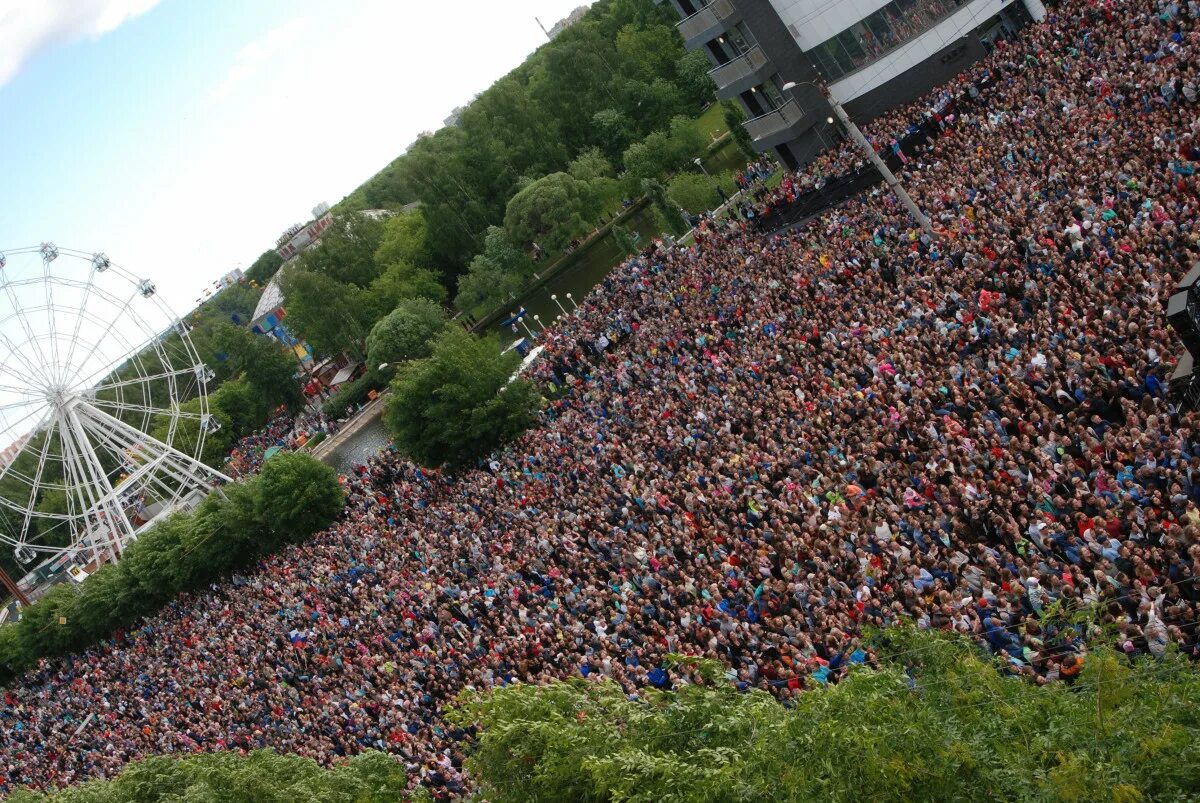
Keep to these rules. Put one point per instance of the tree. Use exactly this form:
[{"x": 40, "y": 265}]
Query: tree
[
  {"x": 590, "y": 165},
  {"x": 651, "y": 157},
  {"x": 494, "y": 276},
  {"x": 625, "y": 240},
  {"x": 484, "y": 286},
  {"x": 672, "y": 218},
  {"x": 399, "y": 281},
  {"x": 346, "y": 252},
  {"x": 265, "y": 266},
  {"x": 614, "y": 131},
  {"x": 292, "y": 498},
  {"x": 404, "y": 334},
  {"x": 297, "y": 495},
  {"x": 734, "y": 117},
  {"x": 262, "y": 776},
  {"x": 332, "y": 316},
  {"x": 693, "y": 192},
  {"x": 692, "y": 75},
  {"x": 937, "y": 720},
  {"x": 687, "y": 142},
  {"x": 262, "y": 362},
  {"x": 551, "y": 211},
  {"x": 649, "y": 52},
  {"x": 404, "y": 239},
  {"x": 459, "y": 403}
]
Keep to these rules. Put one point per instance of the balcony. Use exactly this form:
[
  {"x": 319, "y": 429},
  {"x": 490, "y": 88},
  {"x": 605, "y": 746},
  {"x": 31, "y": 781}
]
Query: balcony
[
  {"x": 706, "y": 24},
  {"x": 775, "y": 127},
  {"x": 735, "y": 77}
]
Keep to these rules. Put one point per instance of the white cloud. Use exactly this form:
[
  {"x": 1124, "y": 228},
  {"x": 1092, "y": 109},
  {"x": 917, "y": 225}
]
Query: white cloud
[
  {"x": 257, "y": 53},
  {"x": 27, "y": 27}
]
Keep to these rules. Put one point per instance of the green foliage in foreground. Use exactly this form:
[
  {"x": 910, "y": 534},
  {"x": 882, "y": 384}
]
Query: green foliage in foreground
[
  {"x": 262, "y": 776},
  {"x": 961, "y": 730},
  {"x": 293, "y": 497},
  {"x": 458, "y": 404}
]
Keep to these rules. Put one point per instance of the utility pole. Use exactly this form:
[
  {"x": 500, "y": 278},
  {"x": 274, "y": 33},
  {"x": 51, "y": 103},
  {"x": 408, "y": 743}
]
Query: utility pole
[
  {"x": 13, "y": 588},
  {"x": 888, "y": 176}
]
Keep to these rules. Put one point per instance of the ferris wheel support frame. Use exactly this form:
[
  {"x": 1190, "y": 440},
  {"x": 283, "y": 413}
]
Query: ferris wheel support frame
[{"x": 80, "y": 419}]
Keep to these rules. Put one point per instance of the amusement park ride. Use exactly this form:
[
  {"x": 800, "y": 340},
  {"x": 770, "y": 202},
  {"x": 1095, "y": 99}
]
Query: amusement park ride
[{"x": 92, "y": 362}]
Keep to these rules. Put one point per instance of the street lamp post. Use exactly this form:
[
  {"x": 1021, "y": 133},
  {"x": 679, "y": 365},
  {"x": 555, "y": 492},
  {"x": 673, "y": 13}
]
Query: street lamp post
[
  {"x": 561, "y": 308},
  {"x": 524, "y": 325},
  {"x": 893, "y": 183},
  {"x": 573, "y": 304},
  {"x": 541, "y": 326}
]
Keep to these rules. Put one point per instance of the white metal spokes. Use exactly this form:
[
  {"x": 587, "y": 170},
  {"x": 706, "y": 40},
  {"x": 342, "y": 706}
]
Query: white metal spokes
[{"x": 103, "y": 405}]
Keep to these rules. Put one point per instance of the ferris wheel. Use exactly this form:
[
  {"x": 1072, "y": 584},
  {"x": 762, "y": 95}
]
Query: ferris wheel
[{"x": 103, "y": 408}]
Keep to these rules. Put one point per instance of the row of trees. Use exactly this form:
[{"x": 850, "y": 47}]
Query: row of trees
[
  {"x": 937, "y": 721},
  {"x": 293, "y": 497},
  {"x": 260, "y": 776},
  {"x": 610, "y": 80}
]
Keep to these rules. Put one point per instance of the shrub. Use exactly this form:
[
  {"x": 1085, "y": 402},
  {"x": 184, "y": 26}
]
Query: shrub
[{"x": 294, "y": 497}]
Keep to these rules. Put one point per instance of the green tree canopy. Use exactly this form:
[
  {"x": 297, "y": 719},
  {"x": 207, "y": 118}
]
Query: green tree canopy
[
  {"x": 404, "y": 239},
  {"x": 614, "y": 131},
  {"x": 692, "y": 74},
  {"x": 734, "y": 117},
  {"x": 260, "y": 776},
  {"x": 297, "y": 494},
  {"x": 937, "y": 721},
  {"x": 331, "y": 316},
  {"x": 347, "y": 249},
  {"x": 293, "y": 497},
  {"x": 460, "y": 402},
  {"x": 399, "y": 281},
  {"x": 667, "y": 208},
  {"x": 405, "y": 333},
  {"x": 262, "y": 362},
  {"x": 265, "y": 266},
  {"x": 551, "y": 211},
  {"x": 494, "y": 276}
]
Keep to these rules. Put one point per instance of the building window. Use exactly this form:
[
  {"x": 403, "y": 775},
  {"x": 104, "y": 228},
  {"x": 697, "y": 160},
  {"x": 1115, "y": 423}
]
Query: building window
[{"x": 870, "y": 38}]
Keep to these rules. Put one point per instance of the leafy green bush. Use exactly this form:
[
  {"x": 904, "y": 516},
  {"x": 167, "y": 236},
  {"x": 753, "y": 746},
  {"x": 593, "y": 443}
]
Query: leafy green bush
[
  {"x": 293, "y": 497},
  {"x": 263, "y": 776},
  {"x": 460, "y": 402},
  {"x": 937, "y": 720},
  {"x": 693, "y": 192}
]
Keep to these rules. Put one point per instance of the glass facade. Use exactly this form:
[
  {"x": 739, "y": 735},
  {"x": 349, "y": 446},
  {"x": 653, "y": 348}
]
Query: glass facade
[{"x": 888, "y": 28}]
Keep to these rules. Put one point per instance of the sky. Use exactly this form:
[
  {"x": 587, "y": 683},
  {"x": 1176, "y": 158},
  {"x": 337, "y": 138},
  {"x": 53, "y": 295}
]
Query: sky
[{"x": 181, "y": 137}]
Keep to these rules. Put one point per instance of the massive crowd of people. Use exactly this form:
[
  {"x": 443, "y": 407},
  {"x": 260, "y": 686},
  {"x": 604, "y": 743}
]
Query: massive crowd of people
[
  {"x": 768, "y": 444},
  {"x": 284, "y": 431}
]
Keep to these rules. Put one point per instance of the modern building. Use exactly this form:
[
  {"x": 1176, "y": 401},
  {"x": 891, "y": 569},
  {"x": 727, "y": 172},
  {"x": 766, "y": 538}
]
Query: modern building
[{"x": 872, "y": 54}]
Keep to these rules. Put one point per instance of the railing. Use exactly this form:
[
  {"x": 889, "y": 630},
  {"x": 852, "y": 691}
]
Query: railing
[
  {"x": 740, "y": 68},
  {"x": 775, "y": 121},
  {"x": 708, "y": 17}
]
